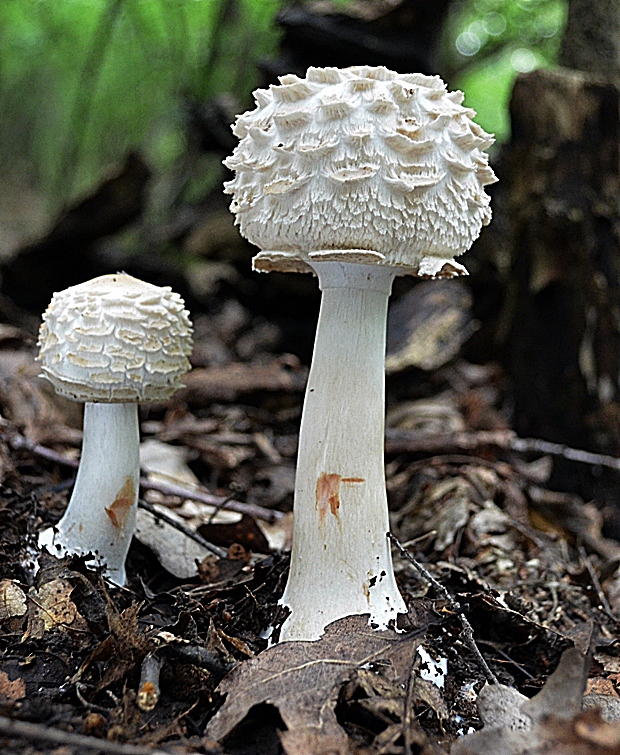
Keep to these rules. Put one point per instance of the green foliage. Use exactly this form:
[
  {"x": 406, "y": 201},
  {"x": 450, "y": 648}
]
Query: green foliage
[
  {"x": 82, "y": 81},
  {"x": 488, "y": 42}
]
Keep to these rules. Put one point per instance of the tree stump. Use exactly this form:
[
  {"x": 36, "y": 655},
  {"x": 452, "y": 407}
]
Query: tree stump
[{"x": 561, "y": 321}]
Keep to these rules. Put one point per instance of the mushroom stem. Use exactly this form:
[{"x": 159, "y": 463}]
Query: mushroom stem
[
  {"x": 101, "y": 514},
  {"x": 341, "y": 562}
]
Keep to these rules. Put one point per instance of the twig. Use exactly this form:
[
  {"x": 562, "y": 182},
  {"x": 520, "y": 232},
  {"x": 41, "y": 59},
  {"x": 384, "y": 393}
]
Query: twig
[
  {"x": 192, "y": 494},
  {"x": 397, "y": 441},
  {"x": 19, "y": 442},
  {"x": 199, "y": 656},
  {"x": 39, "y": 733},
  {"x": 499, "y": 651},
  {"x": 215, "y": 549},
  {"x": 533, "y": 445},
  {"x": 407, "y": 441},
  {"x": 454, "y": 606},
  {"x": 605, "y": 605},
  {"x": 86, "y": 704},
  {"x": 218, "y": 508}
]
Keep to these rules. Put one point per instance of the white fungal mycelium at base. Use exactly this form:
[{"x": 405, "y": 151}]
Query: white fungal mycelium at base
[
  {"x": 110, "y": 342},
  {"x": 340, "y": 561},
  {"x": 433, "y": 670},
  {"x": 357, "y": 175},
  {"x": 101, "y": 516}
]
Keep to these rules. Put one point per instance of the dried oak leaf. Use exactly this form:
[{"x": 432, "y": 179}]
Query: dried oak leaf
[
  {"x": 585, "y": 734},
  {"x": 13, "y": 602},
  {"x": 429, "y": 693},
  {"x": 303, "y": 679},
  {"x": 51, "y": 606},
  {"x": 552, "y": 721},
  {"x": 308, "y": 742},
  {"x": 427, "y": 328}
]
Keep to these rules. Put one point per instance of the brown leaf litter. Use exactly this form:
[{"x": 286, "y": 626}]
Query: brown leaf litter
[
  {"x": 551, "y": 721},
  {"x": 529, "y": 567},
  {"x": 303, "y": 680}
]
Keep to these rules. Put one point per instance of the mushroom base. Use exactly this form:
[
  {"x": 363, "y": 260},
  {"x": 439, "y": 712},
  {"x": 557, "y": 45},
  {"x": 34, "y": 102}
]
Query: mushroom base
[
  {"x": 101, "y": 515},
  {"x": 341, "y": 562}
]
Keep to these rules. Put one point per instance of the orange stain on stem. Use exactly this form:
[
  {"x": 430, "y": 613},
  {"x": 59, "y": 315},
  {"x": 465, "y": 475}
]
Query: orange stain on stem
[
  {"x": 119, "y": 510},
  {"x": 328, "y": 493}
]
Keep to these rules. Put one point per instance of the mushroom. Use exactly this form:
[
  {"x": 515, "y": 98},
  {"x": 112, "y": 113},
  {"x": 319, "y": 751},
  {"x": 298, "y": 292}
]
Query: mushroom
[
  {"x": 110, "y": 342},
  {"x": 357, "y": 175}
]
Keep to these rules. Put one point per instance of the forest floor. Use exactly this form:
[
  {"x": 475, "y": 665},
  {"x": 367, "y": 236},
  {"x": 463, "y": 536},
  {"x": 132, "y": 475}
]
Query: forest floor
[{"x": 178, "y": 660}]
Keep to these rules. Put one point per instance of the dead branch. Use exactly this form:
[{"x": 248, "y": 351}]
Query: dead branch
[
  {"x": 159, "y": 514},
  {"x": 39, "y": 733},
  {"x": 407, "y": 441}
]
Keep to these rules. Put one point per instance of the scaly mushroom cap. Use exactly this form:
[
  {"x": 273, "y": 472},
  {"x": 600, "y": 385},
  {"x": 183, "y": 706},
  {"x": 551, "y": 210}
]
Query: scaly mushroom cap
[
  {"x": 361, "y": 164},
  {"x": 115, "y": 339}
]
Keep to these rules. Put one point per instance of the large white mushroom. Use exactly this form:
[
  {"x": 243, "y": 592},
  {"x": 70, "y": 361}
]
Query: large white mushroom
[
  {"x": 111, "y": 342},
  {"x": 358, "y": 175}
]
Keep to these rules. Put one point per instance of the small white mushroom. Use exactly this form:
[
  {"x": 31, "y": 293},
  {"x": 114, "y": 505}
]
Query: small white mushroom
[
  {"x": 111, "y": 342},
  {"x": 358, "y": 175}
]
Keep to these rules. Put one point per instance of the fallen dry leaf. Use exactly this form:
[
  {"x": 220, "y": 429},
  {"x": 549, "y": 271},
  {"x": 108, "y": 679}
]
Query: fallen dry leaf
[
  {"x": 428, "y": 326},
  {"x": 303, "y": 679},
  {"x": 13, "y": 600},
  {"x": 176, "y": 552},
  {"x": 51, "y": 606},
  {"x": 608, "y": 706},
  {"x": 308, "y": 742},
  {"x": 429, "y": 693},
  {"x": 552, "y": 721},
  {"x": 11, "y": 690},
  {"x": 600, "y": 686},
  {"x": 30, "y": 402},
  {"x": 592, "y": 729},
  {"x": 586, "y": 734},
  {"x": 563, "y": 691}
]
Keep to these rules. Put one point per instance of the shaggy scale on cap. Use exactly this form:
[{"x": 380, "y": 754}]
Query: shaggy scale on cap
[
  {"x": 361, "y": 164},
  {"x": 115, "y": 339}
]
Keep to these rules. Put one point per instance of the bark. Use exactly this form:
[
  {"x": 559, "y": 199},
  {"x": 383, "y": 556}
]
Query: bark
[
  {"x": 562, "y": 312},
  {"x": 592, "y": 37},
  {"x": 560, "y": 201}
]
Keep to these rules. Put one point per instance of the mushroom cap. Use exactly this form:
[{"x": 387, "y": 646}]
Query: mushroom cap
[
  {"x": 115, "y": 339},
  {"x": 360, "y": 164}
]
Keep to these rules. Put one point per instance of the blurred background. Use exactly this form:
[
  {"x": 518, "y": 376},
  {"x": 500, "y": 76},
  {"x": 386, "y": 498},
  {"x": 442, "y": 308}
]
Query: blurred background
[
  {"x": 83, "y": 82},
  {"x": 115, "y": 117}
]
